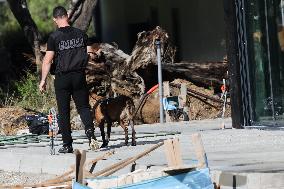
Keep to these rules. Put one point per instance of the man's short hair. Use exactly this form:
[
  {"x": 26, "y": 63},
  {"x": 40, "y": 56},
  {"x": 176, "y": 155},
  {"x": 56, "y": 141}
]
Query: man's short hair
[{"x": 59, "y": 11}]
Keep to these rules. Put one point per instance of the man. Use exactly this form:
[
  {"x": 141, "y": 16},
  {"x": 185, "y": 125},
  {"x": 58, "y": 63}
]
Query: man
[{"x": 66, "y": 47}]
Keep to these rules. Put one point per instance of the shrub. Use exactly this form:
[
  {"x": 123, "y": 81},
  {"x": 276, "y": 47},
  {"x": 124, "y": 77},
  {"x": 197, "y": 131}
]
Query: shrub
[{"x": 29, "y": 96}]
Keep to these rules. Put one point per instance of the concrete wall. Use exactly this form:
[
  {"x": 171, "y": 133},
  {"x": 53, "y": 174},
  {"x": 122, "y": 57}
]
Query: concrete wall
[{"x": 196, "y": 26}]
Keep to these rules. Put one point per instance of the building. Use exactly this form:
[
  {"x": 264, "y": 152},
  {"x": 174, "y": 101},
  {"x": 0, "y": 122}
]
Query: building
[
  {"x": 255, "y": 46},
  {"x": 249, "y": 32},
  {"x": 196, "y": 27}
]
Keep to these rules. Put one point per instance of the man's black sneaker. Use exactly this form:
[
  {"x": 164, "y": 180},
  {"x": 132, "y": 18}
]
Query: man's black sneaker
[{"x": 66, "y": 149}]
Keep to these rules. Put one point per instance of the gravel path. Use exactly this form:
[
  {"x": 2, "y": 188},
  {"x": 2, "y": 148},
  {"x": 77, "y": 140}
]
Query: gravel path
[{"x": 15, "y": 178}]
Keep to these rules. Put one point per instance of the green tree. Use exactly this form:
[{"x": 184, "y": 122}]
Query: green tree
[{"x": 41, "y": 12}]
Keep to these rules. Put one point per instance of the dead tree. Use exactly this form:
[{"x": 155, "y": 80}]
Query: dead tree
[
  {"x": 133, "y": 74},
  {"x": 81, "y": 13},
  {"x": 204, "y": 74},
  {"x": 123, "y": 69}
]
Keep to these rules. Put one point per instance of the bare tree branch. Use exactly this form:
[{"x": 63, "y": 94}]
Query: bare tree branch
[
  {"x": 84, "y": 19},
  {"x": 22, "y": 14},
  {"x": 75, "y": 10}
]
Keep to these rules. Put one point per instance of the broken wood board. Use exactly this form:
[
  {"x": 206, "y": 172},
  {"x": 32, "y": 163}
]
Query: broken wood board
[
  {"x": 186, "y": 177},
  {"x": 199, "y": 150},
  {"x": 173, "y": 152}
]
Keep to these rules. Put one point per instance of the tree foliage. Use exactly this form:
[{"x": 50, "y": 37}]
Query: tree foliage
[
  {"x": 23, "y": 25},
  {"x": 41, "y": 11}
]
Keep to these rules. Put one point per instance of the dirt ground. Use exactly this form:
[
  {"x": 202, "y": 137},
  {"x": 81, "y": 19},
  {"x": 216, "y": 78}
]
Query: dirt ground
[
  {"x": 12, "y": 119},
  {"x": 199, "y": 108}
]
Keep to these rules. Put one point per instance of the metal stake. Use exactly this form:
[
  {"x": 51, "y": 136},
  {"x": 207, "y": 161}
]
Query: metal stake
[{"x": 158, "y": 44}]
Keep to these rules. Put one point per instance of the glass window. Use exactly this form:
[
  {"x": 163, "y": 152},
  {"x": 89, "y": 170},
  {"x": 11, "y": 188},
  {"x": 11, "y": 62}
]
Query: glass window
[{"x": 265, "y": 28}]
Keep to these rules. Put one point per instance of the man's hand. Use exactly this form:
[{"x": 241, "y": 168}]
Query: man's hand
[
  {"x": 42, "y": 86},
  {"x": 45, "y": 69}
]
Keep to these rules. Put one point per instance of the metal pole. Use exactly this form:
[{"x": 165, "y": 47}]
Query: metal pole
[
  {"x": 158, "y": 44},
  {"x": 269, "y": 60},
  {"x": 282, "y": 12}
]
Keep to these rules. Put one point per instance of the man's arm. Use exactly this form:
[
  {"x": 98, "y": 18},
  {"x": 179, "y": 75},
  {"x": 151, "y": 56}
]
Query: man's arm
[{"x": 49, "y": 55}]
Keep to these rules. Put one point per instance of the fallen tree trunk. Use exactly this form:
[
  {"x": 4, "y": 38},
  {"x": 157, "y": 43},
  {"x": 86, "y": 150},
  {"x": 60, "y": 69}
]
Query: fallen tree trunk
[
  {"x": 207, "y": 74},
  {"x": 133, "y": 74},
  {"x": 123, "y": 70}
]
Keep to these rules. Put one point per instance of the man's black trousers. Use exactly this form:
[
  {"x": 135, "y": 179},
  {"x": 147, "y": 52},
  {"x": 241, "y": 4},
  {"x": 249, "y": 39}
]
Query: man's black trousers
[{"x": 67, "y": 85}]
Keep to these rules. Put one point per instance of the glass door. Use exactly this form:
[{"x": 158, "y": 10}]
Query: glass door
[{"x": 265, "y": 29}]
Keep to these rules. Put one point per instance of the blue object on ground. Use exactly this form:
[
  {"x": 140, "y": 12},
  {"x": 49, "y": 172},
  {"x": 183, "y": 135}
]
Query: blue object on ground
[
  {"x": 192, "y": 180},
  {"x": 76, "y": 185},
  {"x": 170, "y": 103}
]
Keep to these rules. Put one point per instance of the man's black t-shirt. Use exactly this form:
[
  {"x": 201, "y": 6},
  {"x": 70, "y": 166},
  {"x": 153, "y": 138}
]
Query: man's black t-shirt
[{"x": 69, "y": 45}]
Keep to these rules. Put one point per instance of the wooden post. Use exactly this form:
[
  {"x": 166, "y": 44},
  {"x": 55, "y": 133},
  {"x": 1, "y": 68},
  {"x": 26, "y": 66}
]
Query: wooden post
[
  {"x": 183, "y": 89},
  {"x": 166, "y": 86},
  {"x": 173, "y": 152},
  {"x": 183, "y": 93},
  {"x": 167, "y": 93},
  {"x": 117, "y": 166},
  {"x": 199, "y": 150},
  {"x": 183, "y": 98},
  {"x": 80, "y": 162}
]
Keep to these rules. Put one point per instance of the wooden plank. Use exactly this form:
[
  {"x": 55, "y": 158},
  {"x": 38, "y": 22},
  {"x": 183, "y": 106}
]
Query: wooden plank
[
  {"x": 173, "y": 152},
  {"x": 166, "y": 88},
  {"x": 108, "y": 168},
  {"x": 77, "y": 164},
  {"x": 183, "y": 98},
  {"x": 177, "y": 152},
  {"x": 199, "y": 150},
  {"x": 182, "y": 101},
  {"x": 81, "y": 167},
  {"x": 94, "y": 162},
  {"x": 169, "y": 150},
  {"x": 167, "y": 93},
  {"x": 136, "y": 177},
  {"x": 183, "y": 89},
  {"x": 110, "y": 172}
]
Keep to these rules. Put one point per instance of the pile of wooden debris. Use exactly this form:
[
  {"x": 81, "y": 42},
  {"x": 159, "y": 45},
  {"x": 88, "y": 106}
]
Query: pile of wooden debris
[
  {"x": 202, "y": 103},
  {"x": 113, "y": 71}
]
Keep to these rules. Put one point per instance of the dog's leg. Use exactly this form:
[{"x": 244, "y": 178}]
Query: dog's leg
[
  {"x": 109, "y": 124},
  {"x": 101, "y": 125},
  {"x": 124, "y": 126},
  {"x": 133, "y": 141}
]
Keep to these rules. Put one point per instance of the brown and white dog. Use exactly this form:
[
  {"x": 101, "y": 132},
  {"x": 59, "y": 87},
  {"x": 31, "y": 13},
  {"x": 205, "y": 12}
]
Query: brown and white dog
[{"x": 109, "y": 110}]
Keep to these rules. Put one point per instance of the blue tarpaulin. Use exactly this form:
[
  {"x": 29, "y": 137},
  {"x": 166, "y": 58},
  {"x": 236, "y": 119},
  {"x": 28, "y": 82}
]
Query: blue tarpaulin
[
  {"x": 199, "y": 179},
  {"x": 76, "y": 185},
  {"x": 192, "y": 180}
]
